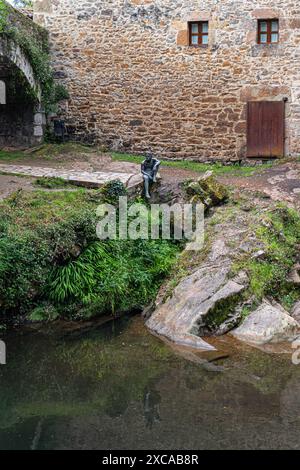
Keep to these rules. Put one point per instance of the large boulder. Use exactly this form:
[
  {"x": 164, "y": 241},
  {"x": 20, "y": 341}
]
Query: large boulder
[
  {"x": 207, "y": 190},
  {"x": 216, "y": 191},
  {"x": 183, "y": 316},
  {"x": 267, "y": 324},
  {"x": 209, "y": 295}
]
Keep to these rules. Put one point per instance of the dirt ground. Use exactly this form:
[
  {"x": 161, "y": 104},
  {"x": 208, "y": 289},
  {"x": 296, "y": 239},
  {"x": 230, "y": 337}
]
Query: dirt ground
[
  {"x": 281, "y": 182},
  {"x": 10, "y": 184}
]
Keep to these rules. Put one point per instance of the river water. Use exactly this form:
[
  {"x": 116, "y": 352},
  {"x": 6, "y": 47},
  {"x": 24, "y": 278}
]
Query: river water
[{"x": 118, "y": 387}]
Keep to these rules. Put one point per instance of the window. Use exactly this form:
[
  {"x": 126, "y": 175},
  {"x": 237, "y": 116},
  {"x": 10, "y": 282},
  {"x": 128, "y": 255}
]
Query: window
[
  {"x": 268, "y": 31},
  {"x": 198, "y": 33},
  {"x": 2, "y": 92}
]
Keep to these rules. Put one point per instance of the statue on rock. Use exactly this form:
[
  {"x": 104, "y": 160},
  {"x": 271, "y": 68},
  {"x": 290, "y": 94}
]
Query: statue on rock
[{"x": 150, "y": 167}]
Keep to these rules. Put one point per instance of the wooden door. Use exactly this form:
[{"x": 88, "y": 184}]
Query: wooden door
[{"x": 265, "y": 129}]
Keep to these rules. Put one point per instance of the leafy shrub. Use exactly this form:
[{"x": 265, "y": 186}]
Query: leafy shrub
[
  {"x": 24, "y": 262},
  {"x": 49, "y": 254},
  {"x": 39, "y": 230},
  {"x": 61, "y": 93},
  {"x": 115, "y": 276},
  {"x": 4, "y": 11},
  {"x": 111, "y": 192}
]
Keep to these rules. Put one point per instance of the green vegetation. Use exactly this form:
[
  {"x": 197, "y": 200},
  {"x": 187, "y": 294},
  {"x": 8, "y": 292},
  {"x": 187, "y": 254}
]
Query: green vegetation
[
  {"x": 112, "y": 191},
  {"x": 279, "y": 232},
  {"x": 9, "y": 155},
  {"x": 51, "y": 183},
  {"x": 4, "y": 11},
  {"x": 49, "y": 152},
  {"x": 217, "y": 168},
  {"x": 33, "y": 40},
  {"x": 220, "y": 313},
  {"x": 117, "y": 276},
  {"x": 52, "y": 264},
  {"x": 44, "y": 312}
]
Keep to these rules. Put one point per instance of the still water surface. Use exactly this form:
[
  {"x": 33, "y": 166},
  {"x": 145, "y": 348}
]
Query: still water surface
[{"x": 118, "y": 387}]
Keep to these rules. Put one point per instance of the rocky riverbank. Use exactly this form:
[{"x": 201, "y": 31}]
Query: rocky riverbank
[{"x": 245, "y": 280}]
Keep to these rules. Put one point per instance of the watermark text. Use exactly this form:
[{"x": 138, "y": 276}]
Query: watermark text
[{"x": 158, "y": 221}]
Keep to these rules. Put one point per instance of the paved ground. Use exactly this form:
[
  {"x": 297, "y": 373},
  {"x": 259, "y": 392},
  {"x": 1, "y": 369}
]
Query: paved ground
[
  {"x": 85, "y": 178},
  {"x": 83, "y": 166}
]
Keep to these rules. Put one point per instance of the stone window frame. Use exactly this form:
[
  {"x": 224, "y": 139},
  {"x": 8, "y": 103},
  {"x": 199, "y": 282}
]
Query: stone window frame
[
  {"x": 269, "y": 31},
  {"x": 200, "y": 33}
]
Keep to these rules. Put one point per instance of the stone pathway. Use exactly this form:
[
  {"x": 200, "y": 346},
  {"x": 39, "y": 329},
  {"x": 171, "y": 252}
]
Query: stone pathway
[{"x": 81, "y": 178}]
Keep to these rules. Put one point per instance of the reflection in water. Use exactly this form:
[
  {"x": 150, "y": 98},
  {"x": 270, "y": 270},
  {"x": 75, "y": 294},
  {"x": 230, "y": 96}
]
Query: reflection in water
[
  {"x": 118, "y": 387},
  {"x": 151, "y": 407},
  {"x": 37, "y": 435}
]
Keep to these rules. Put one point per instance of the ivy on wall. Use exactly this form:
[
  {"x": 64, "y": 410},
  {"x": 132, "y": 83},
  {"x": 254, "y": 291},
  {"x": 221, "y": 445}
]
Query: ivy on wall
[
  {"x": 33, "y": 40},
  {"x": 3, "y": 15},
  {"x": 19, "y": 92}
]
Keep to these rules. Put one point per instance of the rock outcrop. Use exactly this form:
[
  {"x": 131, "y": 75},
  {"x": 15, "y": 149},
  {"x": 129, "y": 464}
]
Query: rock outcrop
[
  {"x": 206, "y": 190},
  {"x": 216, "y": 288},
  {"x": 183, "y": 315},
  {"x": 267, "y": 324},
  {"x": 207, "y": 292}
]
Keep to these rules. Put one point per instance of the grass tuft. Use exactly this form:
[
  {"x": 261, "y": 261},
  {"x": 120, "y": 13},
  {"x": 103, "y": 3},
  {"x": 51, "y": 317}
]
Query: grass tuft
[{"x": 217, "y": 168}]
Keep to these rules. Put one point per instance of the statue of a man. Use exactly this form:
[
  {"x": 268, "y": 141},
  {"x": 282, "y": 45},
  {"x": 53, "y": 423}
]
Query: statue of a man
[{"x": 150, "y": 167}]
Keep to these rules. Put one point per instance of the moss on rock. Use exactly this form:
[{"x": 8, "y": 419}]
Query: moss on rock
[{"x": 206, "y": 190}]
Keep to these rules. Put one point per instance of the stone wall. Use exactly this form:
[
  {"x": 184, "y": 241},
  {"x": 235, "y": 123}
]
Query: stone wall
[
  {"x": 135, "y": 83},
  {"x": 16, "y": 128}
]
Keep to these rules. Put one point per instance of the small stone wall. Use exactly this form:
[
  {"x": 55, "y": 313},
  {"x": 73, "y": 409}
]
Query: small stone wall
[{"x": 16, "y": 128}]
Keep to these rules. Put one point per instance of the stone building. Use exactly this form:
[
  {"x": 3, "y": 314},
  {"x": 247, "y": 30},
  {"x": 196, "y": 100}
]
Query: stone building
[{"x": 204, "y": 80}]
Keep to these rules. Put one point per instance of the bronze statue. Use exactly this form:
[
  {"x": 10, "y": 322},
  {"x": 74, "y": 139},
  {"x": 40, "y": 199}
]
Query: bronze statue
[{"x": 150, "y": 167}]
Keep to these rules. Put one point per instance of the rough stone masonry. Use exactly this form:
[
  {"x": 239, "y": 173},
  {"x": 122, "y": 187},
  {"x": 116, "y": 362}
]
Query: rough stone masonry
[{"x": 135, "y": 82}]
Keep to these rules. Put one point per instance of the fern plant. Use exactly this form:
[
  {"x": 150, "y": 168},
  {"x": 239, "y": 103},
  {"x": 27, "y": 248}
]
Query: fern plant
[{"x": 116, "y": 275}]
